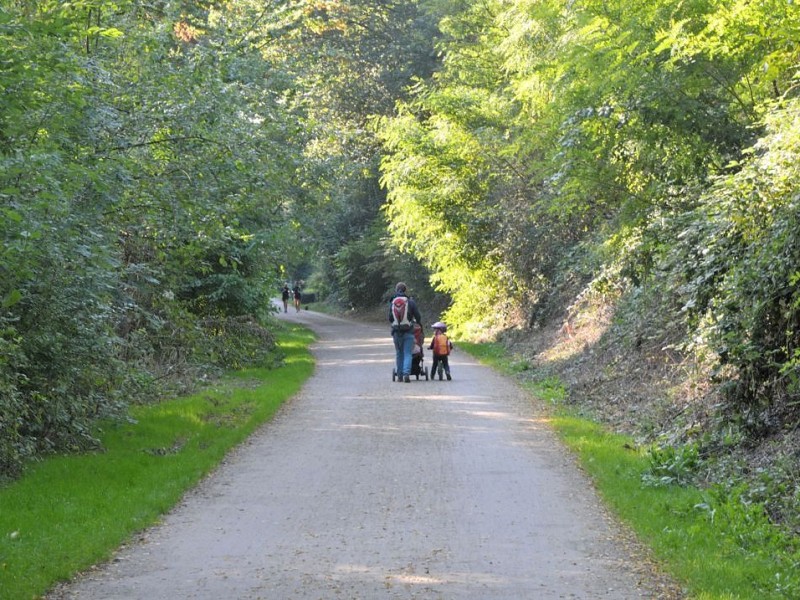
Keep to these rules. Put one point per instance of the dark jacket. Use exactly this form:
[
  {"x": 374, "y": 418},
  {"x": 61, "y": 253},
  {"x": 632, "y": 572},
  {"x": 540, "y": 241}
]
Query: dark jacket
[{"x": 413, "y": 311}]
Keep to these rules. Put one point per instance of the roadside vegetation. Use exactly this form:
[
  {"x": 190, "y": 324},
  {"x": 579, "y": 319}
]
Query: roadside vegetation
[
  {"x": 67, "y": 513},
  {"x": 607, "y": 189},
  {"x": 718, "y": 542}
]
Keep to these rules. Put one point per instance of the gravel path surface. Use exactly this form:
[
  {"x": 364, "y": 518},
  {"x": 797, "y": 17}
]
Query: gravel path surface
[{"x": 362, "y": 488}]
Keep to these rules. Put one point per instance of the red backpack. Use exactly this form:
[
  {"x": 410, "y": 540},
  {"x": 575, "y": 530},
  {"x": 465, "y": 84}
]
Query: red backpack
[{"x": 400, "y": 317}]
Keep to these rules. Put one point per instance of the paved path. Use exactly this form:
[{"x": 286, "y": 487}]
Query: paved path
[{"x": 362, "y": 488}]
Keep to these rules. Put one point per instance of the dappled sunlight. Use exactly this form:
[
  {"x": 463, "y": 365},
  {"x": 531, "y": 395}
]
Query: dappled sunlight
[
  {"x": 356, "y": 345},
  {"x": 371, "y": 427},
  {"x": 458, "y": 400},
  {"x": 297, "y": 358},
  {"x": 477, "y": 414},
  {"x": 491, "y": 415},
  {"x": 578, "y": 334},
  {"x": 407, "y": 576},
  {"x": 387, "y": 430},
  {"x": 357, "y": 361}
]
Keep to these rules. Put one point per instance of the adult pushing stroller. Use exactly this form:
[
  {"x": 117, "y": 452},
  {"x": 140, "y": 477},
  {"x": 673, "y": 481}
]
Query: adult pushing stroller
[{"x": 418, "y": 368}]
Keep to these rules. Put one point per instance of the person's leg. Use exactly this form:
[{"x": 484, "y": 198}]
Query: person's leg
[
  {"x": 398, "y": 355},
  {"x": 446, "y": 364},
  {"x": 408, "y": 348},
  {"x": 433, "y": 366}
]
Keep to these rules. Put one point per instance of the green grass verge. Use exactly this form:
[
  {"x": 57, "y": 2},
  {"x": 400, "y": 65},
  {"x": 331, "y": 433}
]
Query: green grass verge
[
  {"x": 69, "y": 512},
  {"x": 714, "y": 543}
]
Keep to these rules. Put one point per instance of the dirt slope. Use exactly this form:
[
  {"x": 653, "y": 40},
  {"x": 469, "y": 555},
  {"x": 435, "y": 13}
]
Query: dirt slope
[{"x": 363, "y": 488}]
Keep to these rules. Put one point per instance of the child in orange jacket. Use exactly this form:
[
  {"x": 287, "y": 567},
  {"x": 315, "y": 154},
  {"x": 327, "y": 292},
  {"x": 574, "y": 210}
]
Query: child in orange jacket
[{"x": 441, "y": 346}]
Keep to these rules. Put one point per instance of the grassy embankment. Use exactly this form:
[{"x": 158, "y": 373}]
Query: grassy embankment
[
  {"x": 69, "y": 512},
  {"x": 716, "y": 545}
]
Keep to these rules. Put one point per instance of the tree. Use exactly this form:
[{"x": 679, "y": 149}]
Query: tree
[
  {"x": 558, "y": 125},
  {"x": 351, "y": 61},
  {"x": 143, "y": 169}
]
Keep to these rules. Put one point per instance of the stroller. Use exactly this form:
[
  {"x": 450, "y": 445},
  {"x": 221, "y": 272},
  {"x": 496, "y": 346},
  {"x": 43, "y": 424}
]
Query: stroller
[{"x": 418, "y": 368}]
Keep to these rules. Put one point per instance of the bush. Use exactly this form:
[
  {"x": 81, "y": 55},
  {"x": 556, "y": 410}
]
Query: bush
[
  {"x": 730, "y": 265},
  {"x": 239, "y": 342}
]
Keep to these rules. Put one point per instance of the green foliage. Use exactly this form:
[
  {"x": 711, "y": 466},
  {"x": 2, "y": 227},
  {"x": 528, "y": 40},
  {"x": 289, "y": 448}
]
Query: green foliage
[
  {"x": 719, "y": 544},
  {"x": 66, "y": 513},
  {"x": 363, "y": 269},
  {"x": 660, "y": 137},
  {"x": 670, "y": 465},
  {"x": 738, "y": 257},
  {"x": 445, "y": 204},
  {"x": 237, "y": 343},
  {"x": 353, "y": 60},
  {"x": 143, "y": 189},
  {"x": 162, "y": 168}
]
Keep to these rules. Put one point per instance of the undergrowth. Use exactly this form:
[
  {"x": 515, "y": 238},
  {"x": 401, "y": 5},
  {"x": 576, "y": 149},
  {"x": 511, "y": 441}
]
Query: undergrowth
[{"x": 68, "y": 512}]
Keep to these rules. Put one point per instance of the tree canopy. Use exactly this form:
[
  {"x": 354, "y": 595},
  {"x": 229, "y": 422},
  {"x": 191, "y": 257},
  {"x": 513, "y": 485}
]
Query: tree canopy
[
  {"x": 147, "y": 160},
  {"x": 644, "y": 153},
  {"x": 165, "y": 166}
]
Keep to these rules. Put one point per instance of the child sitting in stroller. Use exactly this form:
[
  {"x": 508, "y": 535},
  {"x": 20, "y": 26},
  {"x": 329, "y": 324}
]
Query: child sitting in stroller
[{"x": 417, "y": 354}]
